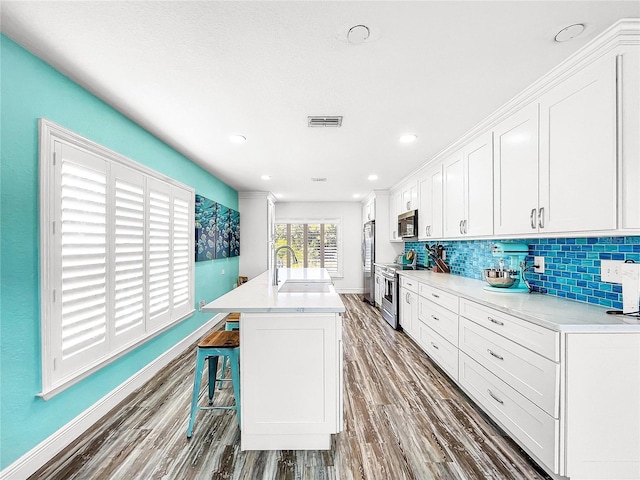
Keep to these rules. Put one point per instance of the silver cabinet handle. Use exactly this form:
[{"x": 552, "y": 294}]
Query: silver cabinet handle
[
  {"x": 435, "y": 318},
  {"x": 466, "y": 229},
  {"x": 429, "y": 227},
  {"x": 541, "y": 217},
  {"x": 461, "y": 227},
  {"x": 408, "y": 298},
  {"x": 501, "y": 402},
  {"x": 494, "y": 354},
  {"x": 434, "y": 295},
  {"x": 435, "y": 346},
  {"x": 531, "y": 219},
  {"x": 497, "y": 322},
  {"x": 408, "y": 205}
]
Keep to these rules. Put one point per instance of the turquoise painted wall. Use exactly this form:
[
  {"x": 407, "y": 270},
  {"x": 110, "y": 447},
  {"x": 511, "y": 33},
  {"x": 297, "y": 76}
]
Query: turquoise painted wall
[{"x": 31, "y": 89}]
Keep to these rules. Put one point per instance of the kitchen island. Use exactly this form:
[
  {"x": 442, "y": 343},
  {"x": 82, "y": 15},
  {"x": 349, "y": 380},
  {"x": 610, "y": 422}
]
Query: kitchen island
[{"x": 290, "y": 359}]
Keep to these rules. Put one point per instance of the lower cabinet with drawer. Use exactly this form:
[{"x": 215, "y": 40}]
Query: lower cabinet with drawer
[
  {"x": 570, "y": 398},
  {"x": 535, "y": 429}
]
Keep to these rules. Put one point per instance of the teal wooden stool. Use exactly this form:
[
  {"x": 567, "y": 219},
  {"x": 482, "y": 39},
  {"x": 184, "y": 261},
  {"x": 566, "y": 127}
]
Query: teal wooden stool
[
  {"x": 232, "y": 323},
  {"x": 216, "y": 344}
]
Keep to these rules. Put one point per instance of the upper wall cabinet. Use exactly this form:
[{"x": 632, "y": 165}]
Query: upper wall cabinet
[
  {"x": 577, "y": 183},
  {"x": 430, "y": 208},
  {"x": 516, "y": 173},
  {"x": 569, "y": 184},
  {"x": 468, "y": 189},
  {"x": 409, "y": 195},
  {"x": 395, "y": 200},
  {"x": 369, "y": 210}
]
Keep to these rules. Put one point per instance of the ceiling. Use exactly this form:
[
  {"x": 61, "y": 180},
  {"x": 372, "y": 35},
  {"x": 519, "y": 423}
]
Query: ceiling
[{"x": 195, "y": 72}]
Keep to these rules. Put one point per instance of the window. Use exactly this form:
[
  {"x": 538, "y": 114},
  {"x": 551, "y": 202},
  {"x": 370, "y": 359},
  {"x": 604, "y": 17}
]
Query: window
[
  {"x": 116, "y": 255},
  {"x": 316, "y": 245}
]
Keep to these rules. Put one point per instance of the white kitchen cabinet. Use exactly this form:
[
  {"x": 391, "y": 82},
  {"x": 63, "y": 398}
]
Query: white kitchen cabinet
[
  {"x": 577, "y": 182},
  {"x": 569, "y": 184},
  {"x": 453, "y": 172},
  {"x": 409, "y": 196},
  {"x": 395, "y": 198},
  {"x": 430, "y": 209},
  {"x": 515, "y": 169},
  {"x": 301, "y": 408},
  {"x": 257, "y": 224},
  {"x": 468, "y": 189},
  {"x": 369, "y": 210},
  {"x": 408, "y": 307},
  {"x": 629, "y": 173},
  {"x": 378, "y": 289}
]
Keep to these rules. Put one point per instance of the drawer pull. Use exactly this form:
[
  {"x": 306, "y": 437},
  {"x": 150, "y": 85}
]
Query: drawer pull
[
  {"x": 497, "y": 322},
  {"x": 494, "y": 354},
  {"x": 435, "y": 318},
  {"x": 434, "y": 295},
  {"x": 435, "y": 346},
  {"x": 495, "y": 398}
]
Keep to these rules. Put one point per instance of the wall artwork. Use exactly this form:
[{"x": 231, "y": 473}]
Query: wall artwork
[{"x": 217, "y": 230}]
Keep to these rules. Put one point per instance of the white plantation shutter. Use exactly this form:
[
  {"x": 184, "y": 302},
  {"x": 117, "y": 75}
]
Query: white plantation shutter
[
  {"x": 159, "y": 252},
  {"x": 117, "y": 255},
  {"x": 129, "y": 254},
  {"x": 330, "y": 246},
  {"x": 182, "y": 252},
  {"x": 81, "y": 305},
  {"x": 316, "y": 245}
]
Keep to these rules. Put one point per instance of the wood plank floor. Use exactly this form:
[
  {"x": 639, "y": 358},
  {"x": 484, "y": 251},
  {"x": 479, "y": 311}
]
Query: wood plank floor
[{"x": 403, "y": 420}]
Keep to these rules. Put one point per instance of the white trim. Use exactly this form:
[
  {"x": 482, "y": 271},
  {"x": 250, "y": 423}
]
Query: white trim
[{"x": 38, "y": 456}]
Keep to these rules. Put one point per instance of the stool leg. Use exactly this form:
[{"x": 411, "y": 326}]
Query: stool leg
[
  {"x": 213, "y": 368},
  {"x": 235, "y": 375},
  {"x": 196, "y": 390}
]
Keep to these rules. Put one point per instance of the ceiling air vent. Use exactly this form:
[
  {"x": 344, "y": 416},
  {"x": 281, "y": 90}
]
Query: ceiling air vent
[
  {"x": 318, "y": 179},
  {"x": 315, "y": 121}
]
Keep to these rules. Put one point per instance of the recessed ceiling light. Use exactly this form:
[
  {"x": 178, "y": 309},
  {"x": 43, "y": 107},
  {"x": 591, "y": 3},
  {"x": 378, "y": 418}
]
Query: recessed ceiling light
[
  {"x": 356, "y": 195},
  {"x": 372, "y": 177},
  {"x": 567, "y": 33},
  {"x": 408, "y": 138},
  {"x": 266, "y": 177},
  {"x": 238, "y": 138}
]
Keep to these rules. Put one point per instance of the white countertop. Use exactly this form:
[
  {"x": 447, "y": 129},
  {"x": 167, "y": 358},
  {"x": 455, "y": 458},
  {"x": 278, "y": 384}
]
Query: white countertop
[
  {"x": 259, "y": 295},
  {"x": 547, "y": 311}
]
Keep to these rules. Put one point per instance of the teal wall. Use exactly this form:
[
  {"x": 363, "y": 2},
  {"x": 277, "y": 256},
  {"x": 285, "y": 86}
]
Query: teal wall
[{"x": 31, "y": 89}]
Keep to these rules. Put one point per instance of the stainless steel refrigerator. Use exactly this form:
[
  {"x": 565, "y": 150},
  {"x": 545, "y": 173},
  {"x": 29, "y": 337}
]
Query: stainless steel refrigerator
[{"x": 368, "y": 257}]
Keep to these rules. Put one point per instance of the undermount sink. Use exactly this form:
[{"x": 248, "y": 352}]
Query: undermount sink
[{"x": 302, "y": 287}]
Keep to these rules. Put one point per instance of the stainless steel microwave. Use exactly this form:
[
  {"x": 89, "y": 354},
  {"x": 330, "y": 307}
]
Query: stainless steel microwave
[{"x": 408, "y": 224}]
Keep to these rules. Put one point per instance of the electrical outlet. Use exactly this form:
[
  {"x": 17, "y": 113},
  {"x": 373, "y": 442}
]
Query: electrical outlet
[
  {"x": 539, "y": 264},
  {"x": 201, "y": 304},
  {"x": 222, "y": 272},
  {"x": 610, "y": 271}
]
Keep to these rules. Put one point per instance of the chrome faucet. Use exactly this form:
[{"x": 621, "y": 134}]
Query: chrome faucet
[{"x": 275, "y": 261}]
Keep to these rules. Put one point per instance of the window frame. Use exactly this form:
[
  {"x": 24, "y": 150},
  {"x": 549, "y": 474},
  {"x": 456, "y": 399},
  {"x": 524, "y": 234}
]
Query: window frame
[
  {"x": 321, "y": 220},
  {"x": 50, "y": 135}
]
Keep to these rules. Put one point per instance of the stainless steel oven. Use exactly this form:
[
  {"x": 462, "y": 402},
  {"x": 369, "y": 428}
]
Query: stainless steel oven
[{"x": 390, "y": 295}]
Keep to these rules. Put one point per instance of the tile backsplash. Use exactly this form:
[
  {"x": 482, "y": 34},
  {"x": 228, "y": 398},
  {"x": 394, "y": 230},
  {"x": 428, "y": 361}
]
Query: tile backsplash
[{"x": 572, "y": 265}]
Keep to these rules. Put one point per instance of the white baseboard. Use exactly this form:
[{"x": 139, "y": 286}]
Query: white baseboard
[{"x": 30, "y": 462}]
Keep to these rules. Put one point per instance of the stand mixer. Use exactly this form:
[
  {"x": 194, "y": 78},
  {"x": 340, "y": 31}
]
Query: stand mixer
[{"x": 508, "y": 276}]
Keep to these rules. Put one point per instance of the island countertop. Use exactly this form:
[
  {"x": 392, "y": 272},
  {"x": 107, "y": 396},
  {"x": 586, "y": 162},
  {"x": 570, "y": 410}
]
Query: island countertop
[
  {"x": 259, "y": 295},
  {"x": 551, "y": 312}
]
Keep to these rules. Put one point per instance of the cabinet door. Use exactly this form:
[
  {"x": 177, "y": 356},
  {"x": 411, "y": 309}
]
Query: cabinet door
[
  {"x": 408, "y": 311},
  {"x": 394, "y": 211},
  {"x": 478, "y": 181},
  {"x": 430, "y": 209},
  {"x": 409, "y": 197},
  {"x": 515, "y": 173},
  {"x": 378, "y": 290},
  {"x": 629, "y": 66},
  {"x": 454, "y": 197},
  {"x": 578, "y": 152}
]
